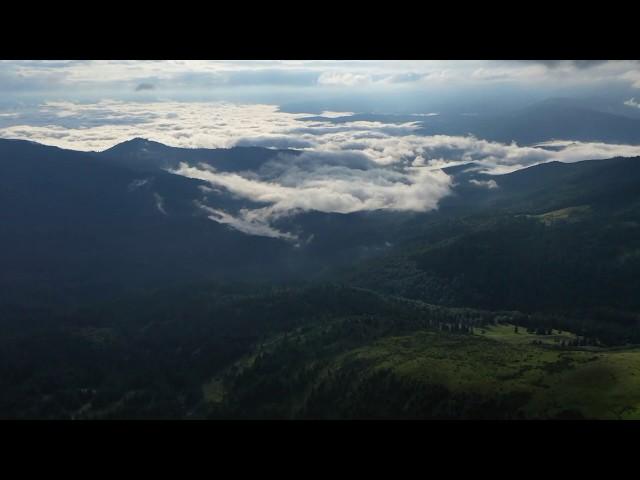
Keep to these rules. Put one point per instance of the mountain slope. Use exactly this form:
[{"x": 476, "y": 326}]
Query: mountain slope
[
  {"x": 81, "y": 226},
  {"x": 553, "y": 238},
  {"x": 552, "y": 119},
  {"x": 354, "y": 368},
  {"x": 606, "y": 183},
  {"x": 76, "y": 227},
  {"x": 143, "y": 154},
  {"x": 553, "y": 247}
]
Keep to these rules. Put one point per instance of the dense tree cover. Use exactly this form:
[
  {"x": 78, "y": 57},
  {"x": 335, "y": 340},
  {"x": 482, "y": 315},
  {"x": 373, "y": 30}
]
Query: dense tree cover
[
  {"x": 79, "y": 227},
  {"x": 87, "y": 334},
  {"x": 149, "y": 356},
  {"x": 584, "y": 273},
  {"x": 360, "y": 367},
  {"x": 554, "y": 239}
]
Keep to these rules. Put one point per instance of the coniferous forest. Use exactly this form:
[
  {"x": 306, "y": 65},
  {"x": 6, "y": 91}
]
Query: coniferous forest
[{"x": 348, "y": 260}]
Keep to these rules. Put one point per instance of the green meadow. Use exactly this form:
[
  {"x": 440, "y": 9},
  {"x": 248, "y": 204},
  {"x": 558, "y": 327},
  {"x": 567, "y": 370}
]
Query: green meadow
[
  {"x": 494, "y": 370},
  {"x": 585, "y": 381}
]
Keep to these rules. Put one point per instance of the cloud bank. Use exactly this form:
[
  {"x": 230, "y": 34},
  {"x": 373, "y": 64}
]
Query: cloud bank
[
  {"x": 324, "y": 182},
  {"x": 193, "y": 74},
  {"x": 343, "y": 167}
]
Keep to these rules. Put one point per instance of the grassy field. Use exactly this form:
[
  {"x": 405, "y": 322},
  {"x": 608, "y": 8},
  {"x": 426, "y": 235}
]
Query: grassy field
[
  {"x": 494, "y": 362},
  {"x": 602, "y": 384},
  {"x": 564, "y": 214},
  {"x": 507, "y": 333}
]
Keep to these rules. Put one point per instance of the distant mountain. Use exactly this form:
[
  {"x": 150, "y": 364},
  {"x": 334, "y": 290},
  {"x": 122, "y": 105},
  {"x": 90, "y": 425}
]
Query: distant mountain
[
  {"x": 143, "y": 154},
  {"x": 80, "y": 226},
  {"x": 74, "y": 226},
  {"x": 554, "y": 237},
  {"x": 562, "y": 120},
  {"x": 549, "y": 185},
  {"x": 553, "y": 119},
  {"x": 119, "y": 298},
  {"x": 544, "y": 121}
]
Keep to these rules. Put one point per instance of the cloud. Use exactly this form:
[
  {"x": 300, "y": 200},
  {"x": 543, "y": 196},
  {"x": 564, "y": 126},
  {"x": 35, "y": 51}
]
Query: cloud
[
  {"x": 136, "y": 184},
  {"x": 273, "y": 77},
  {"x": 97, "y": 126},
  {"x": 341, "y": 167},
  {"x": 159, "y": 203},
  {"x": 632, "y": 103},
  {"x": 290, "y": 186},
  {"x": 145, "y": 86},
  {"x": 324, "y": 182},
  {"x": 345, "y": 79},
  {"x": 232, "y": 80},
  {"x": 274, "y": 141},
  {"x": 406, "y": 77},
  {"x": 245, "y": 223},
  {"x": 489, "y": 184},
  {"x": 579, "y": 64}
]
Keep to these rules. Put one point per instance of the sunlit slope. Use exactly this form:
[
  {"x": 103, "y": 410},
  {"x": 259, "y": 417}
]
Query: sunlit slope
[{"x": 494, "y": 373}]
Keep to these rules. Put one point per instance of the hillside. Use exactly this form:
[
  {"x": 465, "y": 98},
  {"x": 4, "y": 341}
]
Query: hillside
[
  {"x": 558, "y": 238},
  {"x": 512, "y": 302},
  {"x": 551, "y": 119},
  {"x": 147, "y": 155},
  {"x": 492, "y": 373},
  {"x": 324, "y": 351},
  {"x": 74, "y": 227}
]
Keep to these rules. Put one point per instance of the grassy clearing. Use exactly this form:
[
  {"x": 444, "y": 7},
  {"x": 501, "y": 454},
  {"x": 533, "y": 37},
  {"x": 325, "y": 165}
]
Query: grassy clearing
[
  {"x": 602, "y": 385},
  {"x": 564, "y": 214},
  {"x": 495, "y": 362},
  {"x": 507, "y": 333},
  {"x": 213, "y": 391}
]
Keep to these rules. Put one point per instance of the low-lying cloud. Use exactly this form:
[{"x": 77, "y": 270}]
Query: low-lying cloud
[
  {"x": 342, "y": 167},
  {"x": 632, "y": 103},
  {"x": 326, "y": 182},
  {"x": 489, "y": 184}
]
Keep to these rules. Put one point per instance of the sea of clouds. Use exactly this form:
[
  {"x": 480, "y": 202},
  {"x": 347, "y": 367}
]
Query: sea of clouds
[{"x": 344, "y": 167}]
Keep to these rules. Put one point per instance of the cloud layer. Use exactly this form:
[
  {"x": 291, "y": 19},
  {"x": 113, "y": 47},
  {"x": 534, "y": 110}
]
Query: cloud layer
[
  {"x": 193, "y": 74},
  {"x": 325, "y": 182},
  {"x": 344, "y": 167}
]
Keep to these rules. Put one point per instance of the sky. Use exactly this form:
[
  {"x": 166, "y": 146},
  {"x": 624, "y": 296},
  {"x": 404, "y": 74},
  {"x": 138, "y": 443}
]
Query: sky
[
  {"x": 167, "y": 74},
  {"x": 350, "y": 166}
]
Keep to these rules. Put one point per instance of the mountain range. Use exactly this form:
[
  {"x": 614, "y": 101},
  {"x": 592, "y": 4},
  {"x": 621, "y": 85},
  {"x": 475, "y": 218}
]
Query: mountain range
[
  {"x": 552, "y": 119},
  {"x": 134, "y": 304}
]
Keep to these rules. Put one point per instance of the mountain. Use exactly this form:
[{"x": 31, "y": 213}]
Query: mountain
[
  {"x": 83, "y": 226},
  {"x": 552, "y": 119},
  {"x": 516, "y": 301},
  {"x": 544, "y": 186},
  {"x": 544, "y": 121},
  {"x": 224, "y": 351},
  {"x": 561, "y": 120},
  {"x": 87, "y": 226},
  {"x": 143, "y": 154},
  {"x": 551, "y": 238},
  {"x": 76, "y": 227}
]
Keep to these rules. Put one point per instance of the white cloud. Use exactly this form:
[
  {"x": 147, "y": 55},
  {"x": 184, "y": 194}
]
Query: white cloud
[
  {"x": 346, "y": 79},
  {"x": 97, "y": 126},
  {"x": 224, "y": 79},
  {"x": 335, "y": 182},
  {"x": 344, "y": 167},
  {"x": 246, "y": 224},
  {"x": 489, "y": 184},
  {"x": 159, "y": 203},
  {"x": 295, "y": 186},
  {"x": 632, "y": 103}
]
